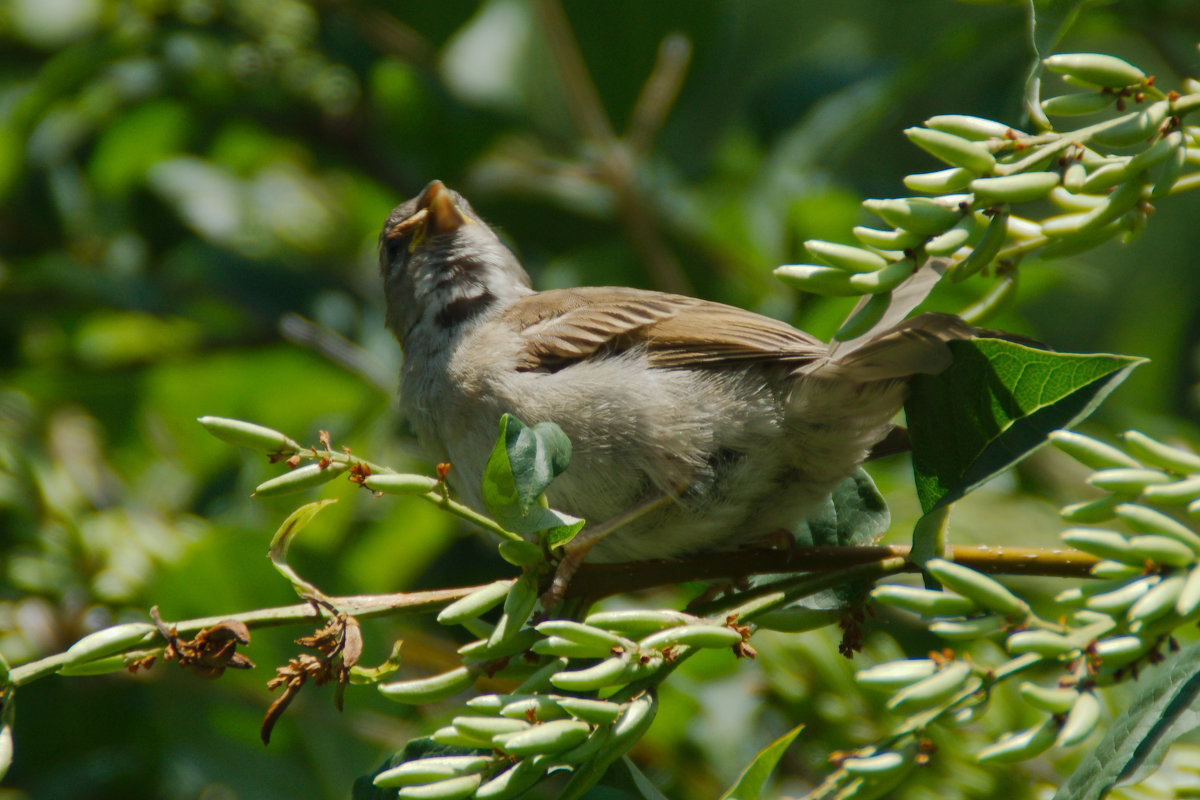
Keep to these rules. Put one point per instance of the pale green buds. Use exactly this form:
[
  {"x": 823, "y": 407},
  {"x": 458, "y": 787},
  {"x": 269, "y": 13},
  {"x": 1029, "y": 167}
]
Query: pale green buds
[
  {"x": 973, "y": 128},
  {"x": 1096, "y": 69},
  {"x": 830, "y": 281},
  {"x": 546, "y": 737},
  {"x": 249, "y": 435},
  {"x": 396, "y": 483},
  {"x": 477, "y": 603},
  {"x": 1021, "y": 745},
  {"x": 1058, "y": 700},
  {"x": 954, "y": 150},
  {"x": 299, "y": 479},
  {"x": 1020, "y": 188},
  {"x": 1091, "y": 452},
  {"x": 951, "y": 179},
  {"x": 638, "y": 621},
  {"x": 428, "y": 770},
  {"x": 896, "y": 674},
  {"x": 1155, "y": 453},
  {"x": 449, "y": 789},
  {"x": 1069, "y": 105},
  {"x": 983, "y": 590},
  {"x": 932, "y": 690},
  {"x": 429, "y": 690},
  {"x": 843, "y": 256},
  {"x": 1080, "y": 722},
  {"x": 921, "y": 215},
  {"x": 923, "y": 601}
]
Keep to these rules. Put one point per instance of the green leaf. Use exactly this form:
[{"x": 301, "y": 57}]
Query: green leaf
[
  {"x": 854, "y": 514},
  {"x": 750, "y": 783},
  {"x": 282, "y": 540},
  {"x": 1164, "y": 709},
  {"x": 624, "y": 775},
  {"x": 995, "y": 405},
  {"x": 523, "y": 463}
]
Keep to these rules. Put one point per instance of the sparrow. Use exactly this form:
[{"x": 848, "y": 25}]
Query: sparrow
[{"x": 695, "y": 426}]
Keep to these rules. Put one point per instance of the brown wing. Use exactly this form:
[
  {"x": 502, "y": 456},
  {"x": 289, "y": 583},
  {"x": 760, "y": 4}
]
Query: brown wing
[{"x": 561, "y": 326}]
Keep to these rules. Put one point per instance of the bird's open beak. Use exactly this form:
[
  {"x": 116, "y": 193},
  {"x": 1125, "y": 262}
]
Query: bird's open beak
[{"x": 436, "y": 213}]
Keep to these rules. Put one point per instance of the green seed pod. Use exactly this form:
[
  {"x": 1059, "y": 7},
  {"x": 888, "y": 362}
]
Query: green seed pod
[
  {"x": 541, "y": 707},
  {"x": 1116, "y": 601},
  {"x": 973, "y": 128},
  {"x": 449, "y": 735},
  {"x": 1162, "y": 550},
  {"x": 966, "y": 630},
  {"x": 514, "y": 781},
  {"x": 594, "y": 747},
  {"x": 1155, "y": 453},
  {"x": 1118, "y": 651},
  {"x": 540, "y": 679},
  {"x": 481, "y": 727},
  {"x": 478, "y": 602},
  {"x": 638, "y": 715},
  {"x": 546, "y": 737},
  {"x": 428, "y": 770},
  {"x": 1173, "y": 494},
  {"x": 639, "y": 621},
  {"x": 1127, "y": 479},
  {"x": 944, "y": 180},
  {"x": 111, "y": 640},
  {"x": 1044, "y": 643},
  {"x": 1142, "y": 518},
  {"x": 429, "y": 690},
  {"x": 1124, "y": 198},
  {"x": 393, "y": 483},
  {"x": 449, "y": 789},
  {"x": 843, "y": 256},
  {"x": 1092, "y": 511},
  {"x": 865, "y": 318},
  {"x": 1071, "y": 243},
  {"x": 829, "y": 281},
  {"x": 609, "y": 672},
  {"x": 1105, "y": 544},
  {"x": 932, "y": 690},
  {"x": 883, "y": 280},
  {"x": 1134, "y": 128},
  {"x": 559, "y": 646},
  {"x": 898, "y": 239},
  {"x": 106, "y": 665},
  {"x": 299, "y": 479},
  {"x": 985, "y": 249},
  {"x": 585, "y": 633},
  {"x": 948, "y": 243},
  {"x": 1158, "y": 601},
  {"x": 1058, "y": 700},
  {"x": 691, "y": 636},
  {"x": 884, "y": 763},
  {"x": 921, "y": 215},
  {"x": 1171, "y": 168},
  {"x": 521, "y": 554},
  {"x": 1072, "y": 105},
  {"x": 249, "y": 435},
  {"x": 1074, "y": 176},
  {"x": 1115, "y": 171},
  {"x": 984, "y": 590},
  {"x": 1023, "y": 187},
  {"x": 597, "y": 712},
  {"x": 1189, "y": 594},
  {"x": 1022, "y": 745},
  {"x": 923, "y": 601},
  {"x": 519, "y": 603},
  {"x": 485, "y": 650},
  {"x": 954, "y": 150},
  {"x": 896, "y": 674},
  {"x": 1080, "y": 722},
  {"x": 1096, "y": 68},
  {"x": 1115, "y": 570}
]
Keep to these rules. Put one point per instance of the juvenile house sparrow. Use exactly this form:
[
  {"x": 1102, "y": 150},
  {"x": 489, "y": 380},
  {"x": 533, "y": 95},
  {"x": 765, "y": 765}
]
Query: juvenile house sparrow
[{"x": 695, "y": 426}]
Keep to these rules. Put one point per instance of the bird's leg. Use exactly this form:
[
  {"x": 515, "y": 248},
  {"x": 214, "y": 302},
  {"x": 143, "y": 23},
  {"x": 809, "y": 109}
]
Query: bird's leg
[{"x": 576, "y": 550}]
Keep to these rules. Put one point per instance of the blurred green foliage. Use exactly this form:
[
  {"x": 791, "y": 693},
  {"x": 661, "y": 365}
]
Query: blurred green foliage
[{"x": 190, "y": 192}]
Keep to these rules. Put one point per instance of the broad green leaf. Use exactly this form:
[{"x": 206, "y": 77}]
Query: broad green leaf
[
  {"x": 524, "y": 461},
  {"x": 1167, "y": 707},
  {"x": 282, "y": 540},
  {"x": 750, "y": 783},
  {"x": 854, "y": 514},
  {"x": 994, "y": 406}
]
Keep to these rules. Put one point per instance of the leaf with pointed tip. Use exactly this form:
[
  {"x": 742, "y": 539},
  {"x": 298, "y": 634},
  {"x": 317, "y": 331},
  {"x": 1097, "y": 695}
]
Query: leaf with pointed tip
[
  {"x": 1167, "y": 707},
  {"x": 997, "y": 403},
  {"x": 523, "y": 463},
  {"x": 750, "y": 783}
]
